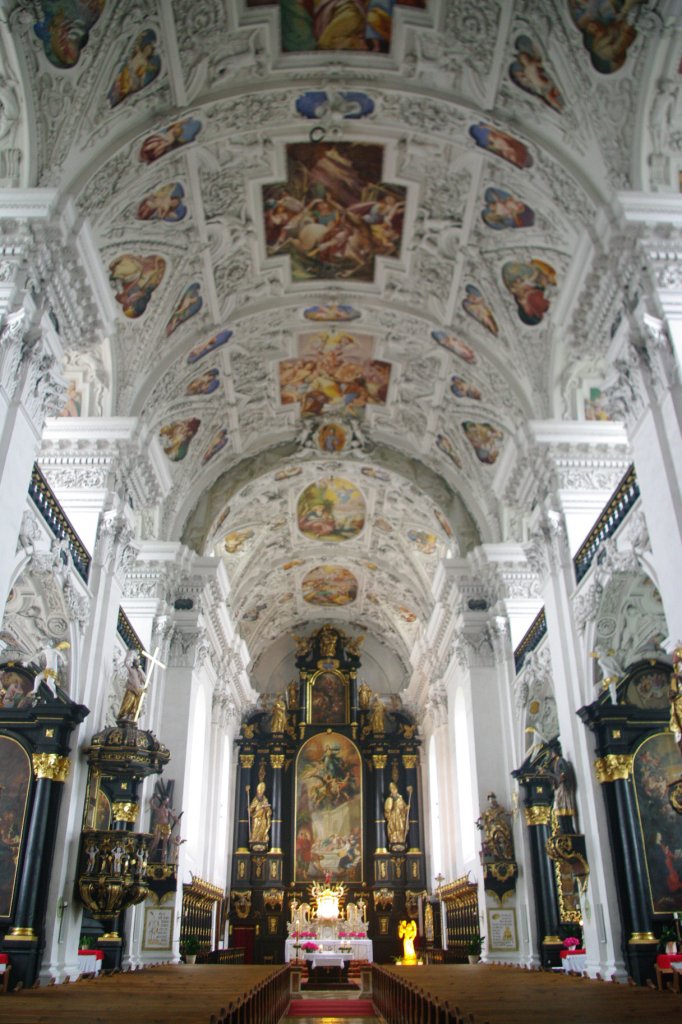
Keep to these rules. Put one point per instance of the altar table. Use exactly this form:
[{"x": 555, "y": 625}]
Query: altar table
[
  {"x": 574, "y": 963},
  {"x": 360, "y": 949},
  {"x": 326, "y": 959},
  {"x": 90, "y": 961}
]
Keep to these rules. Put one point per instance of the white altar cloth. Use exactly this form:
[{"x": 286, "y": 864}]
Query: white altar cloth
[
  {"x": 326, "y": 959},
  {"x": 575, "y": 964},
  {"x": 360, "y": 949}
]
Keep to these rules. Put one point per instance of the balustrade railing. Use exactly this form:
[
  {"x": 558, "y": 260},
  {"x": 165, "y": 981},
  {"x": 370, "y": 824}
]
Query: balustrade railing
[
  {"x": 44, "y": 499},
  {"x": 615, "y": 511}
]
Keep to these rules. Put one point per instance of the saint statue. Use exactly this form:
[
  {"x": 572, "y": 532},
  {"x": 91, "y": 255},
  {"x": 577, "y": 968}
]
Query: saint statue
[
  {"x": 364, "y": 694},
  {"x": 493, "y": 822},
  {"x": 279, "y": 715},
  {"x": 129, "y": 710},
  {"x": 260, "y": 816},
  {"x": 376, "y": 717},
  {"x": 397, "y": 815},
  {"x": 292, "y": 694}
]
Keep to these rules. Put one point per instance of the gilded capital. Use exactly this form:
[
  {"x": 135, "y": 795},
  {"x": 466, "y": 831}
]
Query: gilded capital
[
  {"x": 277, "y": 760},
  {"x": 125, "y": 810},
  {"x": 246, "y": 760},
  {"x": 379, "y": 760},
  {"x": 613, "y": 766},
  {"x": 410, "y": 760},
  {"x": 538, "y": 815},
  {"x": 54, "y": 767}
]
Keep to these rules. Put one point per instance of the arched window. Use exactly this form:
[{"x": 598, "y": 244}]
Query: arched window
[{"x": 465, "y": 803}]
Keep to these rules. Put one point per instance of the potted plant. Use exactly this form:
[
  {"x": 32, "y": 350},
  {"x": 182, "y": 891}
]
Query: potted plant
[
  {"x": 474, "y": 947},
  {"x": 190, "y": 948},
  {"x": 668, "y": 940}
]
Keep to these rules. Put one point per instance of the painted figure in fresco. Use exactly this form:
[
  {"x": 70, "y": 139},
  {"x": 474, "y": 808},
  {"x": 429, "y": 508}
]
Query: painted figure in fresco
[
  {"x": 205, "y": 384},
  {"x": 455, "y": 345},
  {"x": 329, "y": 585},
  {"x": 476, "y": 307},
  {"x": 332, "y": 311},
  {"x": 397, "y": 816},
  {"x": 607, "y": 34},
  {"x": 74, "y": 401},
  {"x": 166, "y": 204},
  {"x": 135, "y": 278},
  {"x": 501, "y": 144},
  {"x": 328, "y": 700},
  {"x": 461, "y": 389},
  {"x": 204, "y": 347},
  {"x": 334, "y": 214},
  {"x": 216, "y": 444},
  {"x": 14, "y": 690},
  {"x": 136, "y": 682},
  {"x": 485, "y": 440},
  {"x": 260, "y": 817},
  {"x": 528, "y": 72},
  {"x": 503, "y": 210},
  {"x": 234, "y": 541},
  {"x": 140, "y": 69},
  {"x": 179, "y": 133},
  {"x": 528, "y": 282},
  {"x": 346, "y": 105},
  {"x": 279, "y": 715},
  {"x": 424, "y": 542},
  {"x": 65, "y": 28},
  {"x": 175, "y": 438},
  {"x": 189, "y": 304}
]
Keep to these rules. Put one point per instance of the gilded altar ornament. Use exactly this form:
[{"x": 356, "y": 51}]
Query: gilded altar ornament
[
  {"x": 377, "y": 713},
  {"x": 407, "y": 931},
  {"x": 241, "y": 901},
  {"x": 260, "y": 817},
  {"x": 273, "y": 899},
  {"x": 292, "y": 695},
  {"x": 538, "y": 815},
  {"x": 383, "y": 899},
  {"x": 613, "y": 767},
  {"x": 328, "y": 642},
  {"x": 364, "y": 696},
  {"x": 125, "y": 810},
  {"x": 429, "y": 930},
  {"x": 675, "y": 796},
  {"x": 397, "y": 817},
  {"x": 54, "y": 767}
]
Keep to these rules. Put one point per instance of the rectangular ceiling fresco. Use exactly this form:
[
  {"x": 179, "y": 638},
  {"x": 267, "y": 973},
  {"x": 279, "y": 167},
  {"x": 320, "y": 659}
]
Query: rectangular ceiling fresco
[
  {"x": 333, "y": 215},
  {"x": 333, "y": 373},
  {"x": 337, "y": 24}
]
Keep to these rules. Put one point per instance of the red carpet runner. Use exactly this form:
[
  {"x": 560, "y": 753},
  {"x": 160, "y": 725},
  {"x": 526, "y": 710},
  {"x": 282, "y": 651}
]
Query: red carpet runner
[{"x": 331, "y": 1008}]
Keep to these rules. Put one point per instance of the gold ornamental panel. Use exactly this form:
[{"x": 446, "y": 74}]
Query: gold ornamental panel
[
  {"x": 613, "y": 766},
  {"x": 538, "y": 815},
  {"x": 54, "y": 767},
  {"x": 125, "y": 810}
]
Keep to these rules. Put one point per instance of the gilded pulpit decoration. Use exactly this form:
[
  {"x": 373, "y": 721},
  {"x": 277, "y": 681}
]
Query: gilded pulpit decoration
[{"x": 497, "y": 850}]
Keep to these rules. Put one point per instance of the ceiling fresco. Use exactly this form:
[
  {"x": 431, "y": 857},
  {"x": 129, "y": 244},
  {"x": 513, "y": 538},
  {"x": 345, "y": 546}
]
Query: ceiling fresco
[{"x": 342, "y": 254}]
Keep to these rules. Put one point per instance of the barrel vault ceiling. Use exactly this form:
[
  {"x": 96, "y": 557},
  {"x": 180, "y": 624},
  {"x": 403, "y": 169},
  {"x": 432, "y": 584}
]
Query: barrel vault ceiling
[{"x": 342, "y": 253}]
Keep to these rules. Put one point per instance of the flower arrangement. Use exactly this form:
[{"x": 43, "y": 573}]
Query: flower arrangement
[
  {"x": 310, "y": 947},
  {"x": 571, "y": 942}
]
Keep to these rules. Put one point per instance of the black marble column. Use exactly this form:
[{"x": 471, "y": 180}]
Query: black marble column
[
  {"x": 538, "y": 819},
  {"x": 50, "y": 771}
]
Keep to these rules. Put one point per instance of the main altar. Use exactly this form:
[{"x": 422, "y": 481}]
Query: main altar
[
  {"x": 322, "y": 934},
  {"x": 328, "y": 790}
]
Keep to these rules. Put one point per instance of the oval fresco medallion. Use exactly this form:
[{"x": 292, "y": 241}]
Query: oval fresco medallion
[
  {"x": 329, "y": 585},
  {"x": 331, "y": 510}
]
